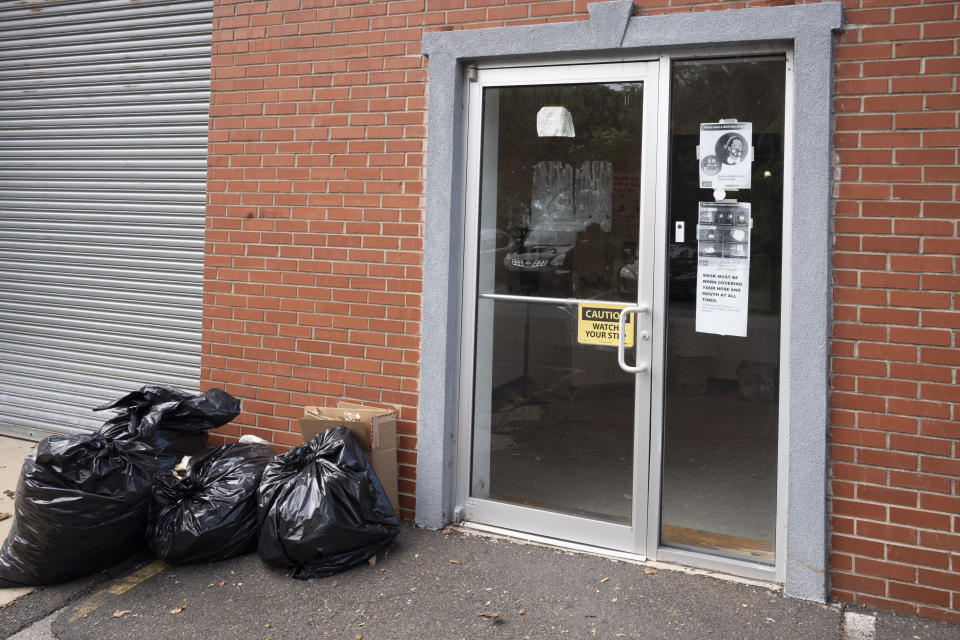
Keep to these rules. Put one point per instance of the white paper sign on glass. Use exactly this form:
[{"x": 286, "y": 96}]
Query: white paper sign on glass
[
  {"x": 723, "y": 268},
  {"x": 726, "y": 155}
]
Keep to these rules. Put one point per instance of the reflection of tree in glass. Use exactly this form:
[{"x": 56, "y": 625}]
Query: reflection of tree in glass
[
  {"x": 552, "y": 198},
  {"x": 608, "y": 124},
  {"x": 593, "y": 194}
]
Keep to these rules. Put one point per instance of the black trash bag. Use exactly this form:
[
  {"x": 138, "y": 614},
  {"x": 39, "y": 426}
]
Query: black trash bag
[
  {"x": 210, "y": 513},
  {"x": 81, "y": 506},
  {"x": 173, "y": 422},
  {"x": 321, "y": 508}
]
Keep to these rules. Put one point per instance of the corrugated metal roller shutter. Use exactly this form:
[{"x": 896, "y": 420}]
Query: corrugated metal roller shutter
[{"x": 103, "y": 146}]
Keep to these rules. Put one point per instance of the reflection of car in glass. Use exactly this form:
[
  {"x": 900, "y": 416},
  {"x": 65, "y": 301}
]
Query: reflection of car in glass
[
  {"x": 544, "y": 250},
  {"x": 627, "y": 279},
  {"x": 683, "y": 272},
  {"x": 494, "y": 244}
]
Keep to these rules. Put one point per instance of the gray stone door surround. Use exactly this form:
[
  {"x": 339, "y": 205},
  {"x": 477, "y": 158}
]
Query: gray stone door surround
[{"x": 612, "y": 29}]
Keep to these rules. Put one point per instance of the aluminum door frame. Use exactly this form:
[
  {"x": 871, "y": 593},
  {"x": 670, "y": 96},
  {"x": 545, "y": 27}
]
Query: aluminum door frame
[{"x": 631, "y": 539}]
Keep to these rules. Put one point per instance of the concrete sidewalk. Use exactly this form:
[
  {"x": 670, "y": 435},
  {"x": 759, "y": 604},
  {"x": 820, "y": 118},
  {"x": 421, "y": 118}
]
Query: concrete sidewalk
[
  {"x": 455, "y": 585},
  {"x": 12, "y": 452},
  {"x": 433, "y": 584},
  {"x": 436, "y": 585}
]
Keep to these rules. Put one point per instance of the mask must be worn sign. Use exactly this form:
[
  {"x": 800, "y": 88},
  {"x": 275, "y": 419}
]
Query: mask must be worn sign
[
  {"x": 600, "y": 324},
  {"x": 723, "y": 268}
]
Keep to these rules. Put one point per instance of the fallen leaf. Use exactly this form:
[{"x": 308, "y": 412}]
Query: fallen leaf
[
  {"x": 119, "y": 614},
  {"x": 522, "y": 611},
  {"x": 9, "y": 493},
  {"x": 605, "y": 580},
  {"x": 177, "y": 610},
  {"x": 4, "y": 516},
  {"x": 454, "y": 562},
  {"x": 372, "y": 560},
  {"x": 359, "y": 636},
  {"x": 447, "y": 530},
  {"x": 488, "y": 603},
  {"x": 492, "y": 616},
  {"x": 649, "y": 571}
]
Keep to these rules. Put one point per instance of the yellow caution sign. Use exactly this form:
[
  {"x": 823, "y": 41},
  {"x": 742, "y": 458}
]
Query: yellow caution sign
[{"x": 600, "y": 324}]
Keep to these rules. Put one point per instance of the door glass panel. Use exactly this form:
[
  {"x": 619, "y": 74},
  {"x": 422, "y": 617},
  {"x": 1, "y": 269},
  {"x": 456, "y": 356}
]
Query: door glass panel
[
  {"x": 721, "y": 401},
  {"x": 559, "y": 222}
]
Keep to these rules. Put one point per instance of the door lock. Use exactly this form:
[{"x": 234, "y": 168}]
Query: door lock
[{"x": 644, "y": 335}]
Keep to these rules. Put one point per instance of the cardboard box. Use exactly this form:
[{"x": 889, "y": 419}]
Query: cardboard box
[{"x": 374, "y": 428}]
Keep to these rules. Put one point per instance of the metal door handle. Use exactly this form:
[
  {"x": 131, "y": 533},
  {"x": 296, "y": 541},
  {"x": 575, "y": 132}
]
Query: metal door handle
[{"x": 641, "y": 366}]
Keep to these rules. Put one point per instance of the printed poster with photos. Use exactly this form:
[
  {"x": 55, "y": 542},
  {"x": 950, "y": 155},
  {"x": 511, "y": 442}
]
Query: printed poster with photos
[
  {"x": 723, "y": 268},
  {"x": 726, "y": 155}
]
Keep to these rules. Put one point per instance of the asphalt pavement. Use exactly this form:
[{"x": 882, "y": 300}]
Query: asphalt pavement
[{"x": 432, "y": 584}]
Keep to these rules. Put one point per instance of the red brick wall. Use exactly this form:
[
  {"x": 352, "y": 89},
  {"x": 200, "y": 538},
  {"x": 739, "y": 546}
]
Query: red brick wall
[
  {"x": 895, "y": 439},
  {"x": 314, "y": 227}
]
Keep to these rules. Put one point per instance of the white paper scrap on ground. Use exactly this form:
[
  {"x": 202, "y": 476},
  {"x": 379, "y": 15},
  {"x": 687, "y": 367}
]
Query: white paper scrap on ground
[{"x": 723, "y": 268}]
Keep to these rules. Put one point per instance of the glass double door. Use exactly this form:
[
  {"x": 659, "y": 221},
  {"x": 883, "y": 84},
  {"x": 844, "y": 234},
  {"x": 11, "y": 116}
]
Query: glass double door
[{"x": 558, "y": 314}]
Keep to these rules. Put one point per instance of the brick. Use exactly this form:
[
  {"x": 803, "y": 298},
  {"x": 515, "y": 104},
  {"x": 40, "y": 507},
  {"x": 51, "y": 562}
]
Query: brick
[
  {"x": 891, "y": 32},
  {"x": 923, "y": 557},
  {"x": 889, "y": 280},
  {"x": 858, "y": 366},
  {"x": 922, "y": 48},
  {"x": 920, "y": 84},
  {"x": 903, "y": 608},
  {"x": 887, "y": 495},
  {"x": 858, "y": 473},
  {"x": 918, "y": 408},
  {"x": 936, "y": 502},
  {"x": 857, "y": 437},
  {"x": 947, "y": 466},
  {"x": 926, "y": 120},
  {"x": 945, "y": 319},
  {"x": 942, "y": 245},
  {"x": 886, "y": 386},
  {"x": 886, "y": 315},
  {"x": 856, "y": 401},
  {"x": 841, "y": 562},
  {"x": 923, "y": 14},
  {"x": 926, "y": 264},
  {"x": 940, "y": 614},
  {"x": 926, "y": 156},
  {"x": 942, "y": 392},
  {"x": 887, "y": 459},
  {"x": 860, "y": 584},
  {"x": 940, "y": 429},
  {"x": 940, "y": 540},
  {"x": 923, "y": 227},
  {"x": 915, "y": 593},
  {"x": 935, "y": 446},
  {"x": 882, "y": 569},
  {"x": 919, "y": 518},
  {"x": 857, "y": 509},
  {"x": 920, "y": 299},
  {"x": 902, "y": 353},
  {"x": 946, "y": 29}
]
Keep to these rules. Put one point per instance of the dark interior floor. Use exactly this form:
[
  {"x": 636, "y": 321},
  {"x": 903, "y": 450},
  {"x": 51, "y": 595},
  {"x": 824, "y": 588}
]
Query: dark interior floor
[{"x": 571, "y": 451}]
